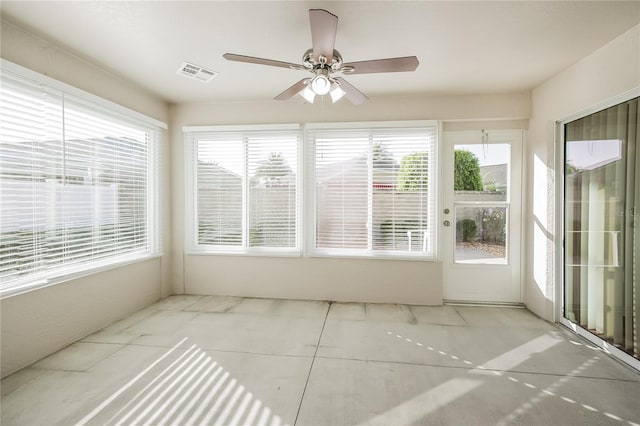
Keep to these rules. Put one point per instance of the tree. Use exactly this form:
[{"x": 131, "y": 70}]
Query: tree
[
  {"x": 271, "y": 171},
  {"x": 382, "y": 158},
  {"x": 467, "y": 171},
  {"x": 414, "y": 172},
  {"x": 570, "y": 169}
]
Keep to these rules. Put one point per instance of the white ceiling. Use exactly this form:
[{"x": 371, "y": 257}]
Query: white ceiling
[{"x": 463, "y": 47}]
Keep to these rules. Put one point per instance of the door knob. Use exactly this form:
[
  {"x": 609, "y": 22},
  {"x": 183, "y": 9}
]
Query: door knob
[{"x": 446, "y": 223}]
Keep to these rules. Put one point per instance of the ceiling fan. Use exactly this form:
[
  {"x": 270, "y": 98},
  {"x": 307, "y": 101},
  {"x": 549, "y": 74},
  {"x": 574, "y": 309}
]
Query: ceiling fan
[{"x": 322, "y": 60}]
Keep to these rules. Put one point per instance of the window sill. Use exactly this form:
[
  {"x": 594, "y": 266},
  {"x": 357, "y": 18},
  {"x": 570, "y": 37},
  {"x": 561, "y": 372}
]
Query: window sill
[
  {"x": 69, "y": 274},
  {"x": 257, "y": 253},
  {"x": 362, "y": 256},
  {"x": 376, "y": 256}
]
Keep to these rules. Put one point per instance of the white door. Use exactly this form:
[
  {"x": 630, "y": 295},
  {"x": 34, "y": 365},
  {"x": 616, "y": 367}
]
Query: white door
[{"x": 481, "y": 216}]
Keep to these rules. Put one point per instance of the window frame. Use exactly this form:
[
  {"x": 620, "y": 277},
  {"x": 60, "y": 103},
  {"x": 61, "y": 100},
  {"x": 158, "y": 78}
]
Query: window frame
[
  {"x": 310, "y": 249},
  {"x": 192, "y": 247},
  {"x": 305, "y": 193},
  {"x": 559, "y": 258},
  {"x": 103, "y": 108}
]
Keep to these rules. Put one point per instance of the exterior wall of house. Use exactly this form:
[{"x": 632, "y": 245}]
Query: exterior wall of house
[
  {"x": 366, "y": 280},
  {"x": 37, "y": 323},
  {"x": 609, "y": 71}
]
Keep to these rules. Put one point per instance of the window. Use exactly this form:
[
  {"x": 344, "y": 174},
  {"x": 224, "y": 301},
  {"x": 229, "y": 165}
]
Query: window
[
  {"x": 601, "y": 233},
  {"x": 369, "y": 189},
  {"x": 76, "y": 183},
  {"x": 482, "y": 201},
  {"x": 373, "y": 189},
  {"x": 244, "y": 188}
]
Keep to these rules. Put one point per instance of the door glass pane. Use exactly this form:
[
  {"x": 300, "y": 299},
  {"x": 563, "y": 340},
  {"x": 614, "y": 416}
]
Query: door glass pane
[
  {"x": 481, "y": 190},
  {"x": 601, "y": 202},
  {"x": 481, "y": 235}
]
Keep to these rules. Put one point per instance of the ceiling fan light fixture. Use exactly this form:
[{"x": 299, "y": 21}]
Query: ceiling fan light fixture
[
  {"x": 321, "y": 85},
  {"x": 308, "y": 94},
  {"x": 336, "y": 93},
  {"x": 322, "y": 60}
]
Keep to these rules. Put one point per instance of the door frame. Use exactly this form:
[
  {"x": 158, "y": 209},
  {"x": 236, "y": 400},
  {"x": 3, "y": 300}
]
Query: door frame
[
  {"x": 559, "y": 259},
  {"x": 515, "y": 262}
]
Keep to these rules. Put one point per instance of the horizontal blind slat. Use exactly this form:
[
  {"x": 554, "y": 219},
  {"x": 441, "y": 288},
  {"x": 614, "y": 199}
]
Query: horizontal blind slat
[
  {"x": 68, "y": 201},
  {"x": 372, "y": 189},
  {"x": 261, "y": 166}
]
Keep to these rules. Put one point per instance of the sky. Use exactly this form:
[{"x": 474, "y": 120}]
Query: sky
[
  {"x": 587, "y": 154},
  {"x": 489, "y": 154}
]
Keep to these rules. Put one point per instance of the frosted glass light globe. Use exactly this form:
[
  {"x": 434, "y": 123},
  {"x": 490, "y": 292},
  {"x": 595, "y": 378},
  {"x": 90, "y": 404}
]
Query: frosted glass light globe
[{"x": 320, "y": 85}]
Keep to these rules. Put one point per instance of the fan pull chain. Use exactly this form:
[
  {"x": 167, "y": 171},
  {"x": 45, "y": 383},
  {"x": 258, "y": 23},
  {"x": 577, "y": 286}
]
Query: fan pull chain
[{"x": 485, "y": 142}]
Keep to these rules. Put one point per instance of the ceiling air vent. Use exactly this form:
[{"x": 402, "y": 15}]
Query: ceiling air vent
[{"x": 196, "y": 72}]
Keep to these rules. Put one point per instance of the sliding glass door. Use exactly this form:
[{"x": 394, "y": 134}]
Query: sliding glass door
[{"x": 602, "y": 246}]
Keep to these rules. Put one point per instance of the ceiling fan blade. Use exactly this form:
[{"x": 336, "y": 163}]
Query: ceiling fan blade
[
  {"x": 260, "y": 61},
  {"x": 323, "y": 33},
  {"x": 354, "y": 95},
  {"x": 407, "y": 63},
  {"x": 293, "y": 90}
]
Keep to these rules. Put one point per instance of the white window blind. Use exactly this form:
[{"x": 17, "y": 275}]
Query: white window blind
[
  {"x": 374, "y": 191},
  {"x": 246, "y": 189},
  {"x": 76, "y": 185}
]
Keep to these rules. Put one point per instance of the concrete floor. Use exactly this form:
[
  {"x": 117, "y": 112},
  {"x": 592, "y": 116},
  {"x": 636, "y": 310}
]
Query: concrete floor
[{"x": 222, "y": 361}]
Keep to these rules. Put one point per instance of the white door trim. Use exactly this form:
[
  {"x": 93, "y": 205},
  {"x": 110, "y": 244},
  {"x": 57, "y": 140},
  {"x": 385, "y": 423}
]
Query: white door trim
[{"x": 511, "y": 286}]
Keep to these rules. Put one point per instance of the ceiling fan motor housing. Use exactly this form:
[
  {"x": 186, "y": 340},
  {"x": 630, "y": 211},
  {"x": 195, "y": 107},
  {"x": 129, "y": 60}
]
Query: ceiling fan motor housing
[{"x": 311, "y": 64}]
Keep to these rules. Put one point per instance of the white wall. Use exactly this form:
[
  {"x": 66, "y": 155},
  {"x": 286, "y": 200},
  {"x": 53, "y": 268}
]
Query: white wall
[
  {"x": 391, "y": 281},
  {"x": 37, "y": 323},
  {"x": 24, "y": 48},
  {"x": 410, "y": 282},
  {"x": 607, "y": 72}
]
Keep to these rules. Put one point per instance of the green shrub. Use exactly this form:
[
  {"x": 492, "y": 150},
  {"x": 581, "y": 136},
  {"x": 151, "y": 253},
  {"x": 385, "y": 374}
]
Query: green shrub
[
  {"x": 494, "y": 225},
  {"x": 466, "y": 230},
  {"x": 467, "y": 171}
]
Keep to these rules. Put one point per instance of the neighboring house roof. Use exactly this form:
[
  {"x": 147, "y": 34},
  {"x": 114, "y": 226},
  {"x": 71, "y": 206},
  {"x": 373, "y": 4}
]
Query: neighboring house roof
[
  {"x": 341, "y": 168},
  {"x": 383, "y": 177},
  {"x": 495, "y": 174},
  {"x": 214, "y": 169},
  {"x": 594, "y": 166},
  {"x": 50, "y": 151}
]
